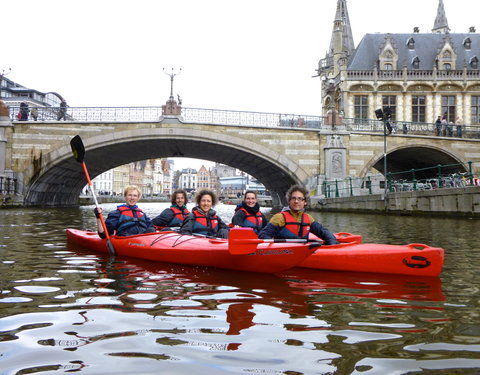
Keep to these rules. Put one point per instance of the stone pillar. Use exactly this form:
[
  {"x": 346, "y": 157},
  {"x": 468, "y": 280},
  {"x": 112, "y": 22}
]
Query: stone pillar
[
  {"x": 4, "y": 124},
  {"x": 335, "y": 158}
]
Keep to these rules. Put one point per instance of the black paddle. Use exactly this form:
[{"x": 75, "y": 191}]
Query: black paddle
[{"x": 78, "y": 150}]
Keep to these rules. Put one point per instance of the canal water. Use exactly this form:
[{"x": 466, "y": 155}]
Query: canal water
[{"x": 64, "y": 309}]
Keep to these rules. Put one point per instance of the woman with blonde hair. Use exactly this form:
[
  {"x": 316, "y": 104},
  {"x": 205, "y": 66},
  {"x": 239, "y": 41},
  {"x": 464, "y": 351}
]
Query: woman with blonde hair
[{"x": 127, "y": 219}]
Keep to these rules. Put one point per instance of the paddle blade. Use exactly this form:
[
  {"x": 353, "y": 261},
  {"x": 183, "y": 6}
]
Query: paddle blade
[
  {"x": 78, "y": 149},
  {"x": 242, "y": 241}
]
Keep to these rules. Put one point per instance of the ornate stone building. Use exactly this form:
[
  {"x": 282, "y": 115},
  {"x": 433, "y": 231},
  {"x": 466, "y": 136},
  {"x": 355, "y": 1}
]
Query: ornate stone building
[{"x": 419, "y": 75}]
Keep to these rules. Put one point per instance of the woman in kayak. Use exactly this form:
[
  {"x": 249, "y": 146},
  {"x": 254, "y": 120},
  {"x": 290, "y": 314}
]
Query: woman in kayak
[
  {"x": 294, "y": 222},
  {"x": 127, "y": 219},
  {"x": 248, "y": 214},
  {"x": 203, "y": 219},
  {"x": 176, "y": 213}
]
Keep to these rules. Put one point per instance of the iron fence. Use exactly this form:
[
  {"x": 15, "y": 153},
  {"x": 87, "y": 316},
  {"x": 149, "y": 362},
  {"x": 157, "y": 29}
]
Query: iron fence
[{"x": 240, "y": 118}]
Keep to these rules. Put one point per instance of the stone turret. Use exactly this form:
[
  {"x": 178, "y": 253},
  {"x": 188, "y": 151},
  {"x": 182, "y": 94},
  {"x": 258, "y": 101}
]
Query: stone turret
[{"x": 441, "y": 24}]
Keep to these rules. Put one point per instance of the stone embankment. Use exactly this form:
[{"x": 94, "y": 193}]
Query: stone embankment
[{"x": 462, "y": 202}]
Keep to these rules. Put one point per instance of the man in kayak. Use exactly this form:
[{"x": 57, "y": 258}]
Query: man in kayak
[
  {"x": 294, "y": 222},
  {"x": 127, "y": 219},
  {"x": 248, "y": 214},
  {"x": 176, "y": 213},
  {"x": 203, "y": 219}
]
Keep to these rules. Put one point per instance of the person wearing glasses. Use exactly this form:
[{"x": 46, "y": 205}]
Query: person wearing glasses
[{"x": 294, "y": 222}]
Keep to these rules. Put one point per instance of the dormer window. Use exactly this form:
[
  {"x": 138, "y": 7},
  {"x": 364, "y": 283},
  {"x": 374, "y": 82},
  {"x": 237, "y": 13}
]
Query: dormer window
[
  {"x": 467, "y": 43},
  {"x": 416, "y": 63},
  {"x": 474, "y": 62},
  {"x": 411, "y": 43},
  {"x": 447, "y": 66},
  {"x": 388, "y": 67}
]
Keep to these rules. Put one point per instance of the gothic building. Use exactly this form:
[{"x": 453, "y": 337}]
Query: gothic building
[{"x": 419, "y": 75}]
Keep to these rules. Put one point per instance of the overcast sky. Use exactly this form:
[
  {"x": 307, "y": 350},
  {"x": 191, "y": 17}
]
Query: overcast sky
[{"x": 249, "y": 55}]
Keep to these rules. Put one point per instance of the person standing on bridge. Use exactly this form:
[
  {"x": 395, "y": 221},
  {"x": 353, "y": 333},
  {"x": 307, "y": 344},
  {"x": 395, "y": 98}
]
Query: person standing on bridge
[
  {"x": 203, "y": 219},
  {"x": 127, "y": 219},
  {"x": 248, "y": 214},
  {"x": 458, "y": 123},
  {"x": 62, "y": 113},
  {"x": 176, "y": 213},
  {"x": 294, "y": 222},
  {"x": 438, "y": 125}
]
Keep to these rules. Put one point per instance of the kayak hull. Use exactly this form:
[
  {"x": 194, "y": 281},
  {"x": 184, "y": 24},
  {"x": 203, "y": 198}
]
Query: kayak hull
[
  {"x": 172, "y": 247},
  {"x": 411, "y": 259}
]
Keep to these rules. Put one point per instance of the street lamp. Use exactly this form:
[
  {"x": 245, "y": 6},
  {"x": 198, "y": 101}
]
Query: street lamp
[
  {"x": 384, "y": 115},
  {"x": 172, "y": 76}
]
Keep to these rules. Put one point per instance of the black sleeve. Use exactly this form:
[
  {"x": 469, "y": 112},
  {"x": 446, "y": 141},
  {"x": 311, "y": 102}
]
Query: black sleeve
[
  {"x": 238, "y": 218},
  {"x": 187, "y": 225},
  {"x": 270, "y": 231},
  {"x": 322, "y": 232},
  {"x": 164, "y": 219},
  {"x": 223, "y": 229}
]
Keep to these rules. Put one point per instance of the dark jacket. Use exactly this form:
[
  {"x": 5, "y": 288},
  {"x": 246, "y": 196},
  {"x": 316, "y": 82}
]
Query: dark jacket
[
  {"x": 140, "y": 224},
  {"x": 240, "y": 217},
  {"x": 273, "y": 231},
  {"x": 167, "y": 218},
  {"x": 190, "y": 224}
]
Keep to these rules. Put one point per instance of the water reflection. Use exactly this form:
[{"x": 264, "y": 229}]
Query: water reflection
[{"x": 74, "y": 311}]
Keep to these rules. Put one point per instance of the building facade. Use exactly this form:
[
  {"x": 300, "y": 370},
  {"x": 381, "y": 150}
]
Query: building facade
[{"x": 420, "y": 76}]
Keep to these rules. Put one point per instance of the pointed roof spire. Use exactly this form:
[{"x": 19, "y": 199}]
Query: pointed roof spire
[
  {"x": 343, "y": 21},
  {"x": 441, "y": 23}
]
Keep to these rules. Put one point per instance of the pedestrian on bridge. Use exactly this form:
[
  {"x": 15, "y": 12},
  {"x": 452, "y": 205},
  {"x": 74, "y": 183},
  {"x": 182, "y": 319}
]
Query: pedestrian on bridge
[
  {"x": 293, "y": 222},
  {"x": 458, "y": 123},
  {"x": 438, "y": 125}
]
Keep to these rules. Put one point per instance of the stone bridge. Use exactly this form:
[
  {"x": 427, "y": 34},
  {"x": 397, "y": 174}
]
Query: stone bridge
[{"x": 38, "y": 154}]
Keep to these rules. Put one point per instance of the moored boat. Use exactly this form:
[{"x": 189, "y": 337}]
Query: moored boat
[{"x": 172, "y": 247}]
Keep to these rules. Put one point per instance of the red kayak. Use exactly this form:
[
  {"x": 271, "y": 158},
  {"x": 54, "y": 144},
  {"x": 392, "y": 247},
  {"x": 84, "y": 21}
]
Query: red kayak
[
  {"x": 236, "y": 253},
  {"x": 411, "y": 259}
]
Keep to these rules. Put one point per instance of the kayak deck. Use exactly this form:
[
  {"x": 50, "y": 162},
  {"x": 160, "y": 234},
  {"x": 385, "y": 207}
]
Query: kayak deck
[
  {"x": 411, "y": 259},
  {"x": 172, "y": 247}
]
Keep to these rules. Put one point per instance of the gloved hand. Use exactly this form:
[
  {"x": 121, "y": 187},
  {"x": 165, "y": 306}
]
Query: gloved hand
[{"x": 97, "y": 212}]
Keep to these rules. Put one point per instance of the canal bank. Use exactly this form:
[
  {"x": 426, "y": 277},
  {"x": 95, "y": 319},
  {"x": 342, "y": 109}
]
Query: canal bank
[{"x": 463, "y": 202}]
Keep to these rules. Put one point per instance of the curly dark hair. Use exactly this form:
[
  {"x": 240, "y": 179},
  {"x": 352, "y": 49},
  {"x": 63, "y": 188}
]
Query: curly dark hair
[
  {"x": 201, "y": 193},
  {"x": 174, "y": 196},
  {"x": 300, "y": 189}
]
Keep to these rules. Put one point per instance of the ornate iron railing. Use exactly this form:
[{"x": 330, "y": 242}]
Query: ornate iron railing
[{"x": 239, "y": 118}]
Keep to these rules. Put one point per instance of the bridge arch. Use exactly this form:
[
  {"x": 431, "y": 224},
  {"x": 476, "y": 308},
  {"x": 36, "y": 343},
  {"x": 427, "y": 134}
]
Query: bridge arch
[
  {"x": 406, "y": 157},
  {"x": 59, "y": 178}
]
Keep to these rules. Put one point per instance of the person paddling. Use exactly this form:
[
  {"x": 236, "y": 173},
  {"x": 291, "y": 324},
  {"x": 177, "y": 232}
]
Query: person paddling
[
  {"x": 204, "y": 219},
  {"x": 248, "y": 214},
  {"x": 294, "y": 222},
  {"x": 176, "y": 213},
  {"x": 127, "y": 219}
]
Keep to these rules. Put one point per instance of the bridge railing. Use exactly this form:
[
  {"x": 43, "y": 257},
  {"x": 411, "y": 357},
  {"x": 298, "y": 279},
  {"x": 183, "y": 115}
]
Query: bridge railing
[
  {"x": 435, "y": 177},
  {"x": 243, "y": 118},
  {"x": 194, "y": 115}
]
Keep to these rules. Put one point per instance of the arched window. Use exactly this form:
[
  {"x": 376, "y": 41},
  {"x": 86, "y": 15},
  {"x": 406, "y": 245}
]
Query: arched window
[
  {"x": 416, "y": 62},
  {"x": 388, "y": 67},
  {"x": 467, "y": 43},
  {"x": 411, "y": 43}
]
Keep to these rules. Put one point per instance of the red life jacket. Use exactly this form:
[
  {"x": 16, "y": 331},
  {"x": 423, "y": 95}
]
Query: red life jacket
[
  {"x": 203, "y": 224},
  {"x": 252, "y": 221},
  {"x": 294, "y": 228},
  {"x": 178, "y": 216}
]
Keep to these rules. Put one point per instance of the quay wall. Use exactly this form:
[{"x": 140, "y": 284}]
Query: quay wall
[{"x": 462, "y": 202}]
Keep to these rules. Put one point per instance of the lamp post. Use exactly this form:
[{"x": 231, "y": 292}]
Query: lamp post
[
  {"x": 172, "y": 76},
  {"x": 384, "y": 116}
]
